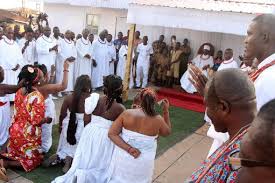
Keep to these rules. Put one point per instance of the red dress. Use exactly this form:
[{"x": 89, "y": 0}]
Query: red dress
[{"x": 25, "y": 131}]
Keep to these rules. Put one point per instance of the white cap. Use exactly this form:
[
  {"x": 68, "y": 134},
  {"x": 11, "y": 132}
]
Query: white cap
[{"x": 206, "y": 47}]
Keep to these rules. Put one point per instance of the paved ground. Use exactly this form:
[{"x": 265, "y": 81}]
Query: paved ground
[{"x": 174, "y": 166}]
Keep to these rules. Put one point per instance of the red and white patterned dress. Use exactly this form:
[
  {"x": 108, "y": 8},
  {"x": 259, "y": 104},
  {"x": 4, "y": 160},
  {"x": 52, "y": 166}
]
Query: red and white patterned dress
[{"x": 25, "y": 131}]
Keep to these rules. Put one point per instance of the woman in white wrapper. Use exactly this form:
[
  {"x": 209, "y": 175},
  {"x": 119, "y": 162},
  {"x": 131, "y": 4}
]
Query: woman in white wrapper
[
  {"x": 135, "y": 134},
  {"x": 94, "y": 151},
  {"x": 71, "y": 123}
]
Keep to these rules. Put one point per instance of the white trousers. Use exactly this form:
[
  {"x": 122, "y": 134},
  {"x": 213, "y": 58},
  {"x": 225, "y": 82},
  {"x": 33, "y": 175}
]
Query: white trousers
[{"x": 142, "y": 72}]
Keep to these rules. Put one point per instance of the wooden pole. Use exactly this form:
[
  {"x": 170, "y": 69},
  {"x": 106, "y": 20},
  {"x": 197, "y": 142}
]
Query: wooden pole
[{"x": 129, "y": 62}]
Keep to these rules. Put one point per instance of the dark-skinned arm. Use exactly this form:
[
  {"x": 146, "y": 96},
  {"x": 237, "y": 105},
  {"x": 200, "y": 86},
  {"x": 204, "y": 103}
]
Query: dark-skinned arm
[
  {"x": 55, "y": 88},
  {"x": 114, "y": 135}
]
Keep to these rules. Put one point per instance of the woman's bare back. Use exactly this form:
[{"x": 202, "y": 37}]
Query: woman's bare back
[
  {"x": 111, "y": 114},
  {"x": 136, "y": 120}
]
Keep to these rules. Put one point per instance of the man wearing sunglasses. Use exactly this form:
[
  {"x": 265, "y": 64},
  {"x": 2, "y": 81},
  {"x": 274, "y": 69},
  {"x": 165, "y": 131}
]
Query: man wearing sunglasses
[{"x": 257, "y": 157}]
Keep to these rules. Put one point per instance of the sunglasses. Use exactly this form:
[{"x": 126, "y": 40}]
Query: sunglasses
[{"x": 236, "y": 163}]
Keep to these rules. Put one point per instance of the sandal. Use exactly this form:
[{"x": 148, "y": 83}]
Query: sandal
[{"x": 3, "y": 172}]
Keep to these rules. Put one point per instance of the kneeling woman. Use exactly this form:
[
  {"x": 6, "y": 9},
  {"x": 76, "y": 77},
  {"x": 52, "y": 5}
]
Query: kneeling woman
[
  {"x": 71, "y": 123},
  {"x": 24, "y": 147},
  {"x": 93, "y": 153},
  {"x": 135, "y": 133}
]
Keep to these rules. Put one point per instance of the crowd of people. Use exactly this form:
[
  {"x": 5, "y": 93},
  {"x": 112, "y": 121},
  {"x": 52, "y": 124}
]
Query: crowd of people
[{"x": 100, "y": 141}]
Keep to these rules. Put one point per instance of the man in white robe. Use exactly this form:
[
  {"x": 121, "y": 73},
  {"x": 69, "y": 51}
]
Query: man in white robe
[
  {"x": 229, "y": 61},
  {"x": 11, "y": 59},
  {"x": 27, "y": 46},
  {"x": 67, "y": 52},
  {"x": 203, "y": 62},
  {"x": 111, "y": 53},
  {"x": 58, "y": 60},
  {"x": 46, "y": 49},
  {"x": 144, "y": 51},
  {"x": 121, "y": 65},
  {"x": 101, "y": 58},
  {"x": 83, "y": 64}
]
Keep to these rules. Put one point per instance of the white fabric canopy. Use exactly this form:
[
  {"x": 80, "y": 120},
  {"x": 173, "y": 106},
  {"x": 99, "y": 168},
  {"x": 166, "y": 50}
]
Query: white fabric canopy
[
  {"x": 209, "y": 21},
  {"x": 116, "y": 4}
]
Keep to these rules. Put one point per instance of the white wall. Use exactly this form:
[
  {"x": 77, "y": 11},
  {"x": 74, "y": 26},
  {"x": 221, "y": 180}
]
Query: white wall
[
  {"x": 67, "y": 17},
  {"x": 74, "y": 18},
  {"x": 70, "y": 17},
  {"x": 196, "y": 38}
]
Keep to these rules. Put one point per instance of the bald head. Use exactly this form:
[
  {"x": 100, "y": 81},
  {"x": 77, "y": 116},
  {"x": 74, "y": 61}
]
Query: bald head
[
  {"x": 103, "y": 34},
  {"x": 230, "y": 99},
  {"x": 47, "y": 31},
  {"x": 260, "y": 37},
  {"x": 85, "y": 33},
  {"x": 68, "y": 35},
  {"x": 232, "y": 85},
  {"x": 228, "y": 54},
  {"x": 9, "y": 33}
]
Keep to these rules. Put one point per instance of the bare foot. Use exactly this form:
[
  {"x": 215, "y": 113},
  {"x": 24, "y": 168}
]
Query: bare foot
[{"x": 3, "y": 172}]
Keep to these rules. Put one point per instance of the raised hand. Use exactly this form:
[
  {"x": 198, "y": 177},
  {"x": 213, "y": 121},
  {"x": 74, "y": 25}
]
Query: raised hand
[
  {"x": 66, "y": 65},
  {"x": 198, "y": 79},
  {"x": 94, "y": 63},
  {"x": 166, "y": 105},
  {"x": 16, "y": 67}
]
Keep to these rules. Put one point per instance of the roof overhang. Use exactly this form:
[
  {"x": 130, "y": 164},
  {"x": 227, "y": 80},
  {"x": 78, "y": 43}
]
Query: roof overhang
[
  {"x": 190, "y": 14},
  {"x": 115, "y": 4}
]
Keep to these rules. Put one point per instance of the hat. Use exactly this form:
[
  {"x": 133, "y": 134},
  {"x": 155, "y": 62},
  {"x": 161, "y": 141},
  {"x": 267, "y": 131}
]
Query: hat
[{"x": 206, "y": 47}]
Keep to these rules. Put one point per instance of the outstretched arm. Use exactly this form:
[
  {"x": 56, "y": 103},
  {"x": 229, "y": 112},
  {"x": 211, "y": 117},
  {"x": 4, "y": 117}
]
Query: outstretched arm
[
  {"x": 9, "y": 89},
  {"x": 55, "y": 88},
  {"x": 114, "y": 135},
  {"x": 165, "y": 128}
]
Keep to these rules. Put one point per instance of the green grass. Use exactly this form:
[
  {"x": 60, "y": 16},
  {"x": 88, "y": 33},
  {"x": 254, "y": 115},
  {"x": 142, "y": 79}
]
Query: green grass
[{"x": 184, "y": 123}]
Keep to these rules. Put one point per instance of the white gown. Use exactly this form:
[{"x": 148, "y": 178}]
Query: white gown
[
  {"x": 47, "y": 128},
  {"x": 44, "y": 56},
  {"x": 67, "y": 49},
  {"x": 200, "y": 62},
  {"x": 29, "y": 54},
  {"x": 58, "y": 61},
  {"x": 64, "y": 148},
  {"x": 5, "y": 118},
  {"x": 111, "y": 56},
  {"x": 143, "y": 63},
  {"x": 83, "y": 66},
  {"x": 10, "y": 56},
  {"x": 121, "y": 65},
  {"x": 100, "y": 55},
  {"x": 94, "y": 151},
  {"x": 228, "y": 64},
  {"x": 126, "y": 169}
]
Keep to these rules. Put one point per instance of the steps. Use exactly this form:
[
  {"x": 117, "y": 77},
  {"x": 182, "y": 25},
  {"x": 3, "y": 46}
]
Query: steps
[{"x": 182, "y": 99}]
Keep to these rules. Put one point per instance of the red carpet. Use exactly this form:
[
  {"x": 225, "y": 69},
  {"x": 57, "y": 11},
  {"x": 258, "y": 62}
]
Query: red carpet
[{"x": 182, "y": 99}]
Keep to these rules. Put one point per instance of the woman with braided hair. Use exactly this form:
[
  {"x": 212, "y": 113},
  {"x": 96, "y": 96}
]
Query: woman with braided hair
[
  {"x": 24, "y": 146},
  {"x": 71, "y": 123},
  {"x": 134, "y": 133},
  {"x": 94, "y": 151}
]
